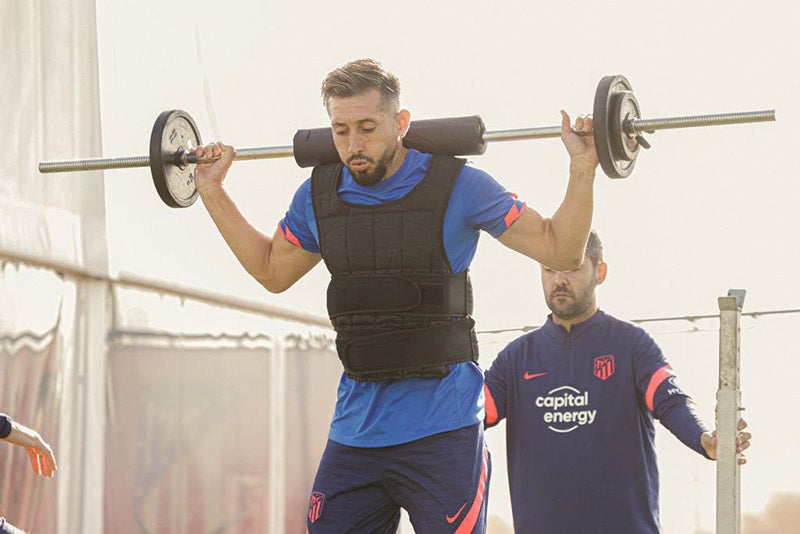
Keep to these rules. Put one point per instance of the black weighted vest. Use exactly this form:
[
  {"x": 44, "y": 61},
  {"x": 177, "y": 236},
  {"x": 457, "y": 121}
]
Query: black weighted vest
[{"x": 398, "y": 310}]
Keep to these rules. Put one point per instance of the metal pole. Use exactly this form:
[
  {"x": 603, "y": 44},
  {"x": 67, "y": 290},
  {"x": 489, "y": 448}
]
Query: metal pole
[
  {"x": 728, "y": 413},
  {"x": 632, "y": 126},
  {"x": 170, "y": 288}
]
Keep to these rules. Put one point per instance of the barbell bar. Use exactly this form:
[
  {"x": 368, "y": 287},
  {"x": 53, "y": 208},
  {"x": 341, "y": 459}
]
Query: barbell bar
[{"x": 618, "y": 133}]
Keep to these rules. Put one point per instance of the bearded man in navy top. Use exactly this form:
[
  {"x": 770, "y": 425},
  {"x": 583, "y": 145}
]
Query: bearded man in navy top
[
  {"x": 582, "y": 383},
  {"x": 397, "y": 229}
]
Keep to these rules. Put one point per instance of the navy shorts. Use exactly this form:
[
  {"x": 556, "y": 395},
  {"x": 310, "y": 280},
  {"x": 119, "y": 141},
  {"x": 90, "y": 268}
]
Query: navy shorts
[{"x": 442, "y": 481}]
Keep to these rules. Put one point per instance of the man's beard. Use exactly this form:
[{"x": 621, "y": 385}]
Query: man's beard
[
  {"x": 371, "y": 177},
  {"x": 573, "y": 307}
]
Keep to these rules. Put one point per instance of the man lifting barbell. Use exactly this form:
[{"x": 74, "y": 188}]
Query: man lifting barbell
[
  {"x": 396, "y": 220},
  {"x": 397, "y": 228}
]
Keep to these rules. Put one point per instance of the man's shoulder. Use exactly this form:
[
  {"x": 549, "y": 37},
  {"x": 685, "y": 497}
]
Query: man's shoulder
[
  {"x": 304, "y": 188},
  {"x": 471, "y": 173},
  {"x": 622, "y": 328},
  {"x": 616, "y": 321}
]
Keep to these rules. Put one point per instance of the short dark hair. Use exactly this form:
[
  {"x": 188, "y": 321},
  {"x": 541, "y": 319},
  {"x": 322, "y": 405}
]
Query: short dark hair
[
  {"x": 358, "y": 77},
  {"x": 594, "y": 248}
]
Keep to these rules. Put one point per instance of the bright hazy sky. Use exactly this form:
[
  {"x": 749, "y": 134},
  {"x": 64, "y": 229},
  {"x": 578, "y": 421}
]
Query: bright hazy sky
[{"x": 704, "y": 211}]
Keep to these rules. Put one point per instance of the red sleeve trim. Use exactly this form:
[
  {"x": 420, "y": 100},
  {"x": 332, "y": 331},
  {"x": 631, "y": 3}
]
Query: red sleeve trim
[
  {"x": 655, "y": 381},
  {"x": 288, "y": 235},
  {"x": 514, "y": 213},
  {"x": 491, "y": 407}
]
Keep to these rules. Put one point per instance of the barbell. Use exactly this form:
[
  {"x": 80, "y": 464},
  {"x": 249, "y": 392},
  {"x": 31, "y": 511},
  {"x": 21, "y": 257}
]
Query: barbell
[{"x": 618, "y": 129}]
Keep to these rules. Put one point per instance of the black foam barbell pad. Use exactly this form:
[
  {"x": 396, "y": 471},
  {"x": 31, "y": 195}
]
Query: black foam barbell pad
[{"x": 453, "y": 136}]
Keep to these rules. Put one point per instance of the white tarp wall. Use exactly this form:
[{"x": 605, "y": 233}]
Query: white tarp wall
[
  {"x": 148, "y": 406},
  {"x": 50, "y": 110},
  {"x": 217, "y": 418}
]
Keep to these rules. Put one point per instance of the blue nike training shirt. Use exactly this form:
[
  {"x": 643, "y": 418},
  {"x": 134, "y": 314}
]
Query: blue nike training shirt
[{"x": 390, "y": 412}]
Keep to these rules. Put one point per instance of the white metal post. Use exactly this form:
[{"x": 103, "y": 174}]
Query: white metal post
[
  {"x": 277, "y": 437},
  {"x": 728, "y": 413}
]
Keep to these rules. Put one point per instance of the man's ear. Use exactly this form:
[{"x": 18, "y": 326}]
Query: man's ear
[
  {"x": 602, "y": 270},
  {"x": 403, "y": 119}
]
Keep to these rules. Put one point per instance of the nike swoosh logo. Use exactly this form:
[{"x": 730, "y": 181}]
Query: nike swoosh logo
[
  {"x": 452, "y": 519},
  {"x": 528, "y": 376}
]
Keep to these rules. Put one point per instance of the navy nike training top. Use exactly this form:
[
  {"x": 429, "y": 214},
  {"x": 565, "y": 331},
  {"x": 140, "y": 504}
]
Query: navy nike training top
[{"x": 579, "y": 409}]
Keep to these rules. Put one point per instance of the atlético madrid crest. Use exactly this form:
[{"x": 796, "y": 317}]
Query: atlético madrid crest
[
  {"x": 604, "y": 366},
  {"x": 315, "y": 504}
]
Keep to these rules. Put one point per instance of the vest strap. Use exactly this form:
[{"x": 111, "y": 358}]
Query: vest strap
[
  {"x": 409, "y": 352},
  {"x": 427, "y": 294}
]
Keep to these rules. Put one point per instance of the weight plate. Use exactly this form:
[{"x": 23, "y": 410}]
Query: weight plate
[
  {"x": 607, "y": 126},
  {"x": 624, "y": 107},
  {"x": 173, "y": 133}
]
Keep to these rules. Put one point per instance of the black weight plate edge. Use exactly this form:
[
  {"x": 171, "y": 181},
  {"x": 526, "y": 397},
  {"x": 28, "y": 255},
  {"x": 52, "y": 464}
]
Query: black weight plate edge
[
  {"x": 158, "y": 165},
  {"x": 157, "y": 160},
  {"x": 600, "y": 116}
]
